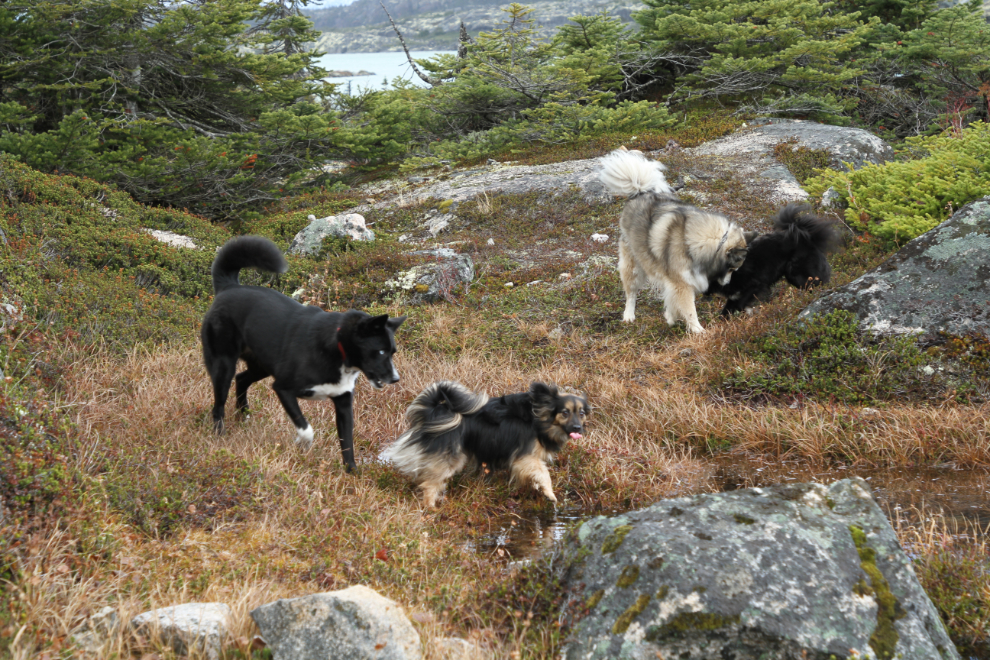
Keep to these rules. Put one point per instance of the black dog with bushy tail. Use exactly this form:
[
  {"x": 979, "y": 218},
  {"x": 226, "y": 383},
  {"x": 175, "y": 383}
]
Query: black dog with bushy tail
[
  {"x": 795, "y": 250},
  {"x": 450, "y": 426},
  {"x": 311, "y": 353}
]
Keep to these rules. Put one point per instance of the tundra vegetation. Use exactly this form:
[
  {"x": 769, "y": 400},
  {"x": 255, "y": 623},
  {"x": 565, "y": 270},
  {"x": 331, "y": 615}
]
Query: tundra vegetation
[{"x": 207, "y": 119}]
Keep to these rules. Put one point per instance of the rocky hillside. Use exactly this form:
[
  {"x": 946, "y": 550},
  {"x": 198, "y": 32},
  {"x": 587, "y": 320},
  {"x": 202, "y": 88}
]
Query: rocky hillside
[{"x": 434, "y": 24}]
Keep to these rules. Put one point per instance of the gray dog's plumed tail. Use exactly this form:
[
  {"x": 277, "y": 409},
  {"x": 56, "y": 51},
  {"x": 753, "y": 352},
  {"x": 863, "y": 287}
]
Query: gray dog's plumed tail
[
  {"x": 245, "y": 252},
  {"x": 626, "y": 173},
  {"x": 801, "y": 225},
  {"x": 434, "y": 436}
]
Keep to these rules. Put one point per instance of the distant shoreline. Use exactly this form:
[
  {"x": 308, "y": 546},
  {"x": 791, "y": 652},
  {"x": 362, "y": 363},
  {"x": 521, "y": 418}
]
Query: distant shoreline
[{"x": 348, "y": 74}]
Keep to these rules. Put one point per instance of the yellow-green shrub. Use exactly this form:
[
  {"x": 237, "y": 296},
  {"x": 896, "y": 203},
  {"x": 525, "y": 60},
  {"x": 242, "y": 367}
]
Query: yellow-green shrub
[{"x": 900, "y": 200}]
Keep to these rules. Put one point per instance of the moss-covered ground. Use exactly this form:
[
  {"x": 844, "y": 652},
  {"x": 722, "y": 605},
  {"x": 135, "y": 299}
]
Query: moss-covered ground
[{"x": 115, "y": 492}]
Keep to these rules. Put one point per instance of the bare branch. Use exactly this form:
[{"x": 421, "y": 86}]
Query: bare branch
[{"x": 422, "y": 76}]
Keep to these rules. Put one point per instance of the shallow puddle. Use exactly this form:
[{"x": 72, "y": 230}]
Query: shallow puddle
[{"x": 901, "y": 492}]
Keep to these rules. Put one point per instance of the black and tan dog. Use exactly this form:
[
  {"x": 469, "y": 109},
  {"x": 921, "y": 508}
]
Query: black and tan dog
[
  {"x": 311, "y": 353},
  {"x": 451, "y": 426}
]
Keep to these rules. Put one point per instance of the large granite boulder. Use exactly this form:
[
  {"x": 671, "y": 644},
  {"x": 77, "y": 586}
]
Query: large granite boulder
[
  {"x": 843, "y": 144},
  {"x": 938, "y": 281},
  {"x": 356, "y": 623},
  {"x": 798, "y": 571},
  {"x": 192, "y": 627},
  {"x": 310, "y": 238},
  {"x": 442, "y": 274}
]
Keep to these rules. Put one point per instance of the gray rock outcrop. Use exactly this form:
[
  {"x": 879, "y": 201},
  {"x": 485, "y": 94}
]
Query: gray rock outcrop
[
  {"x": 203, "y": 627},
  {"x": 938, "y": 281},
  {"x": 445, "y": 273},
  {"x": 795, "y": 571},
  {"x": 310, "y": 238},
  {"x": 843, "y": 144},
  {"x": 355, "y": 623}
]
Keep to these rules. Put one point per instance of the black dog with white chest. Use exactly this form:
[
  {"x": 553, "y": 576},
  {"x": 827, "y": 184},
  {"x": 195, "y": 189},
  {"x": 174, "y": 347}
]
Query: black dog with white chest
[
  {"x": 795, "y": 250},
  {"x": 312, "y": 354}
]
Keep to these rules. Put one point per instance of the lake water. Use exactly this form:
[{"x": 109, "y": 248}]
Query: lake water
[{"x": 385, "y": 67}]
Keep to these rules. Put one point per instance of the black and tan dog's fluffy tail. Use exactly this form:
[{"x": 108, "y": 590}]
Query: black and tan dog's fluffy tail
[
  {"x": 801, "y": 226},
  {"x": 245, "y": 252},
  {"x": 434, "y": 418}
]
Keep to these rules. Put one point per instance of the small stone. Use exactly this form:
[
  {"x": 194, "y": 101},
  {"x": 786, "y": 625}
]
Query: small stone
[
  {"x": 349, "y": 225},
  {"x": 600, "y": 238},
  {"x": 491, "y": 241},
  {"x": 173, "y": 239},
  {"x": 351, "y": 624},
  {"x": 444, "y": 272},
  {"x": 94, "y": 633},
  {"x": 509, "y": 285},
  {"x": 556, "y": 334},
  {"x": 830, "y": 198},
  {"x": 202, "y": 627}
]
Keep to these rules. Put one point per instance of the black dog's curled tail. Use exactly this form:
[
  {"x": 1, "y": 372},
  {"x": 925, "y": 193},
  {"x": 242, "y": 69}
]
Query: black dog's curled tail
[
  {"x": 800, "y": 225},
  {"x": 245, "y": 252}
]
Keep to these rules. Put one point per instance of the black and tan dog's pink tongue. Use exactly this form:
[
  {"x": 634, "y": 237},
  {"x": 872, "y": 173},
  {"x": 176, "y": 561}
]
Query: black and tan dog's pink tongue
[{"x": 575, "y": 436}]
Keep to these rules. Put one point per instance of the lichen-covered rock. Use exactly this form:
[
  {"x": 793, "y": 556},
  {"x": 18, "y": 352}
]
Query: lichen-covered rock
[
  {"x": 310, "y": 238},
  {"x": 173, "y": 239},
  {"x": 843, "y": 144},
  {"x": 443, "y": 274},
  {"x": 356, "y": 623},
  {"x": 795, "y": 571},
  {"x": 200, "y": 626},
  {"x": 938, "y": 281}
]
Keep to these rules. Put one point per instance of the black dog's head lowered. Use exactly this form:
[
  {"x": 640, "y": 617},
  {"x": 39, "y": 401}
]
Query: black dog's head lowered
[
  {"x": 796, "y": 251},
  {"x": 368, "y": 344}
]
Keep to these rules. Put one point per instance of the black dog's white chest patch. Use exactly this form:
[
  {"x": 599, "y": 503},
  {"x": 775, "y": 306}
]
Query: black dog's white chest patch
[{"x": 348, "y": 378}]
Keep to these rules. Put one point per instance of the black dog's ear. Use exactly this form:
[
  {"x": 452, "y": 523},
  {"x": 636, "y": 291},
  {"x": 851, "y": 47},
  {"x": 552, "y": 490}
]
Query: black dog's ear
[
  {"x": 375, "y": 321},
  {"x": 544, "y": 398},
  {"x": 750, "y": 235},
  {"x": 394, "y": 322}
]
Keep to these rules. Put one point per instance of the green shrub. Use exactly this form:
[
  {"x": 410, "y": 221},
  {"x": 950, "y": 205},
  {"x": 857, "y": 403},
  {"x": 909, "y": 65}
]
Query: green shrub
[
  {"x": 78, "y": 257},
  {"x": 800, "y": 160},
  {"x": 900, "y": 200},
  {"x": 826, "y": 359}
]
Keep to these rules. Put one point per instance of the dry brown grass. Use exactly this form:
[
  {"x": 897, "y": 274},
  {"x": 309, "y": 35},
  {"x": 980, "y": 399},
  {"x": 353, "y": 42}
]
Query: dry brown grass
[
  {"x": 307, "y": 526},
  {"x": 310, "y": 527}
]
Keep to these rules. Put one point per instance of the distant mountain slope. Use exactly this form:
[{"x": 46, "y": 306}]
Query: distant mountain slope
[{"x": 434, "y": 24}]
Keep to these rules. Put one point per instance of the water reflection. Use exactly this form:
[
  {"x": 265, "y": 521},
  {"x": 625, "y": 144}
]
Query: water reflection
[{"x": 959, "y": 494}]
